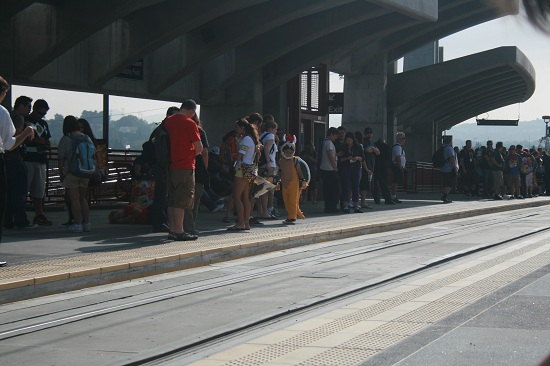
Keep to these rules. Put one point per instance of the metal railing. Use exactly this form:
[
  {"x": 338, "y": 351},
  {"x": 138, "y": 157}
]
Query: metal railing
[
  {"x": 115, "y": 187},
  {"x": 419, "y": 177}
]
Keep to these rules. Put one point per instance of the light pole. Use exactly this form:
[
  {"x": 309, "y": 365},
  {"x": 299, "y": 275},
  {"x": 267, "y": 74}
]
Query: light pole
[{"x": 546, "y": 132}]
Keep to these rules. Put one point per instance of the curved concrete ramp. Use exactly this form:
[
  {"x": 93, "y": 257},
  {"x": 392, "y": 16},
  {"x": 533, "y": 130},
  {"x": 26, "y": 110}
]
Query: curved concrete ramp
[{"x": 453, "y": 91}]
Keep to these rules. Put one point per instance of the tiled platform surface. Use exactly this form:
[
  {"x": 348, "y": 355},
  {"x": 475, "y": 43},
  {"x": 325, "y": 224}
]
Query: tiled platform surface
[
  {"x": 49, "y": 260},
  {"x": 378, "y": 328}
]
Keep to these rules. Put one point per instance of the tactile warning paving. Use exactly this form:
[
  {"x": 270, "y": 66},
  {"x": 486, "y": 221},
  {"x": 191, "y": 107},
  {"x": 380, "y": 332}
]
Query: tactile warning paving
[
  {"x": 372, "y": 341},
  {"x": 339, "y": 357},
  {"x": 263, "y": 356},
  {"x": 360, "y": 347},
  {"x": 399, "y": 328},
  {"x": 266, "y": 236}
]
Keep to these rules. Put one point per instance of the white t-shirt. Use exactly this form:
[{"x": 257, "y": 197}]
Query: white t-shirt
[
  {"x": 328, "y": 148},
  {"x": 7, "y": 130},
  {"x": 396, "y": 151},
  {"x": 248, "y": 149},
  {"x": 266, "y": 136}
]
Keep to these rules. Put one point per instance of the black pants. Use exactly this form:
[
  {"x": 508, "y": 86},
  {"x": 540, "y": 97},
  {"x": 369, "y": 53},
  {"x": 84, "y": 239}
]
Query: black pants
[
  {"x": 331, "y": 189},
  {"x": 158, "y": 214},
  {"x": 3, "y": 190},
  {"x": 380, "y": 183},
  {"x": 17, "y": 190}
]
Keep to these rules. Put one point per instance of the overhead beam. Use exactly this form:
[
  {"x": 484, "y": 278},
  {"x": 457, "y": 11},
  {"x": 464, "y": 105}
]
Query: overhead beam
[
  {"x": 58, "y": 28},
  {"x": 252, "y": 55},
  {"x": 170, "y": 22},
  {"x": 315, "y": 52},
  {"x": 222, "y": 34},
  {"x": 422, "y": 10}
]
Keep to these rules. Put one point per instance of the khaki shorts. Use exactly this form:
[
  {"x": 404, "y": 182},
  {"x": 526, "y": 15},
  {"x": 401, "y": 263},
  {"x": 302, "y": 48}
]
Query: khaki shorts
[
  {"x": 72, "y": 181},
  {"x": 181, "y": 188},
  {"x": 498, "y": 179},
  {"x": 36, "y": 178}
]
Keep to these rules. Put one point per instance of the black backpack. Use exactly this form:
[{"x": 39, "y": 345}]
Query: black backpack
[
  {"x": 263, "y": 160},
  {"x": 438, "y": 158},
  {"x": 161, "y": 144}
]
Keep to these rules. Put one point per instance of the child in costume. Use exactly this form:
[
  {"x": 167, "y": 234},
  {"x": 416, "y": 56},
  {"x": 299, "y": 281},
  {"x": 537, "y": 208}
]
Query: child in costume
[{"x": 291, "y": 180}]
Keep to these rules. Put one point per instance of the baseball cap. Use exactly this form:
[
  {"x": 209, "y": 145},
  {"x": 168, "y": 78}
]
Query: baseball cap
[
  {"x": 368, "y": 130},
  {"x": 215, "y": 150},
  {"x": 189, "y": 104}
]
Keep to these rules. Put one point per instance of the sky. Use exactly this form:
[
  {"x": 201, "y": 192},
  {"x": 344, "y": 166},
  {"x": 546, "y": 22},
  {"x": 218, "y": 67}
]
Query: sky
[{"x": 507, "y": 31}]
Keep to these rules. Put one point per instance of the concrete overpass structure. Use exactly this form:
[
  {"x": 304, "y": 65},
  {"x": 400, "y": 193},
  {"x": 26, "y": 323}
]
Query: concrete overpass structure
[{"x": 235, "y": 56}]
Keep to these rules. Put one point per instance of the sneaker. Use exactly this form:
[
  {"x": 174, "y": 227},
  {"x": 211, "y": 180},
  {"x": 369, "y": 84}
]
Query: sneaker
[
  {"x": 519, "y": 197},
  {"x": 28, "y": 226},
  {"x": 184, "y": 237},
  {"x": 446, "y": 199},
  {"x": 3, "y": 263},
  {"x": 75, "y": 228},
  {"x": 66, "y": 224},
  {"x": 396, "y": 200},
  {"x": 254, "y": 221},
  {"x": 41, "y": 220},
  {"x": 87, "y": 227},
  {"x": 163, "y": 228},
  {"x": 218, "y": 208},
  {"x": 357, "y": 210},
  {"x": 389, "y": 202},
  {"x": 367, "y": 206},
  {"x": 497, "y": 197},
  {"x": 289, "y": 222}
]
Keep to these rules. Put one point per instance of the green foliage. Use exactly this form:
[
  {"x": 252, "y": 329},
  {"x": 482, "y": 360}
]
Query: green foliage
[{"x": 128, "y": 130}]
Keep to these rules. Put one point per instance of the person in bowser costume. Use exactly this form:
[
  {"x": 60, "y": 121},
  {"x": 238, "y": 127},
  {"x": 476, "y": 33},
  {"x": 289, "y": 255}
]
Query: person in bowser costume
[{"x": 292, "y": 180}]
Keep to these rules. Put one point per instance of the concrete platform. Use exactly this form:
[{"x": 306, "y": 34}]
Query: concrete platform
[{"x": 49, "y": 260}]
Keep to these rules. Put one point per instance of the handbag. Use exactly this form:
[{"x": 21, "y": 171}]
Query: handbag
[{"x": 201, "y": 173}]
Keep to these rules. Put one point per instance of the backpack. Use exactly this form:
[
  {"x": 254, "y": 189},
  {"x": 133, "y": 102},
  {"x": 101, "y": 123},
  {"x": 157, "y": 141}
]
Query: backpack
[
  {"x": 263, "y": 160},
  {"x": 227, "y": 149},
  {"x": 302, "y": 165},
  {"x": 82, "y": 161},
  {"x": 161, "y": 145},
  {"x": 438, "y": 158}
]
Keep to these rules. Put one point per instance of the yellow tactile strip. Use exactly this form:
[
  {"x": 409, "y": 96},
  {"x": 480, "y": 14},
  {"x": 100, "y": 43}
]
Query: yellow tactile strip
[
  {"x": 168, "y": 256},
  {"x": 349, "y": 335}
]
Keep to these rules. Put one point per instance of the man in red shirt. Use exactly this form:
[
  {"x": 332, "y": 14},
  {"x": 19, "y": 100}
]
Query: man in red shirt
[{"x": 185, "y": 144}]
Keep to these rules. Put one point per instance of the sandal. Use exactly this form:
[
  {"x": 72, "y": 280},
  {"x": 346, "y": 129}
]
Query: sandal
[{"x": 236, "y": 228}]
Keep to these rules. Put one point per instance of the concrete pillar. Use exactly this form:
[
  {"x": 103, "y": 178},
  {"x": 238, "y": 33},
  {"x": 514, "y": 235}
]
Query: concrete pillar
[
  {"x": 365, "y": 98},
  {"x": 219, "y": 114}
]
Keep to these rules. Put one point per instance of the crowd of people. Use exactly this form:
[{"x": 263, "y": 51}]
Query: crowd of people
[
  {"x": 255, "y": 152},
  {"x": 494, "y": 171}
]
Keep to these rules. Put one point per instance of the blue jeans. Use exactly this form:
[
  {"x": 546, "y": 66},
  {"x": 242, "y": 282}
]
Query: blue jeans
[{"x": 350, "y": 177}]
